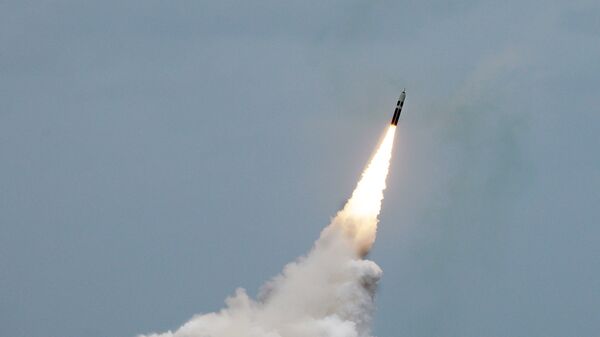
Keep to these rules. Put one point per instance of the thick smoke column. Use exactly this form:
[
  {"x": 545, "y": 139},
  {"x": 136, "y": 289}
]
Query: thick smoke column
[{"x": 329, "y": 292}]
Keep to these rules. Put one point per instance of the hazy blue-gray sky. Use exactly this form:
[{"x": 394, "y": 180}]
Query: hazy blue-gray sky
[{"x": 158, "y": 154}]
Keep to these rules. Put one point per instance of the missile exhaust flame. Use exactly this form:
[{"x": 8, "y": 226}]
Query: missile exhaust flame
[{"x": 358, "y": 219}]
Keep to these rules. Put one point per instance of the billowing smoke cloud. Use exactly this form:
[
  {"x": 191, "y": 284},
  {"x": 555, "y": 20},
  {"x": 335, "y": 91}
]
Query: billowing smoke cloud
[{"x": 327, "y": 293}]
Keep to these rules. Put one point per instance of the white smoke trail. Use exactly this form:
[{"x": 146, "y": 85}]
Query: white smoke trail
[{"x": 329, "y": 292}]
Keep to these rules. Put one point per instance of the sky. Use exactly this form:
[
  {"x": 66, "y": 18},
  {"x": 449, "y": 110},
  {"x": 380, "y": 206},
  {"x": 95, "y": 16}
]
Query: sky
[{"x": 156, "y": 155}]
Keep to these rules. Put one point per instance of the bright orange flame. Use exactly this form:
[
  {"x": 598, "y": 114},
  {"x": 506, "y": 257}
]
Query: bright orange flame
[{"x": 358, "y": 218}]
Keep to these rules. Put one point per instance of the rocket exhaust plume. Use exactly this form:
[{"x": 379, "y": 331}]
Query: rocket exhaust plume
[
  {"x": 358, "y": 218},
  {"x": 327, "y": 293}
]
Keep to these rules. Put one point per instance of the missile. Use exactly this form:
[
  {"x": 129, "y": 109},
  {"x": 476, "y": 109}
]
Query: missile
[{"x": 398, "y": 108}]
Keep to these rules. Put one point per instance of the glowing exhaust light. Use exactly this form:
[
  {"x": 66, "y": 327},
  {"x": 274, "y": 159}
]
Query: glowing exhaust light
[{"x": 358, "y": 218}]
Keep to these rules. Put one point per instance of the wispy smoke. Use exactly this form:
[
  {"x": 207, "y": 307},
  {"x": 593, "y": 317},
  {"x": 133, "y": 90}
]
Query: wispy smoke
[{"x": 327, "y": 293}]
